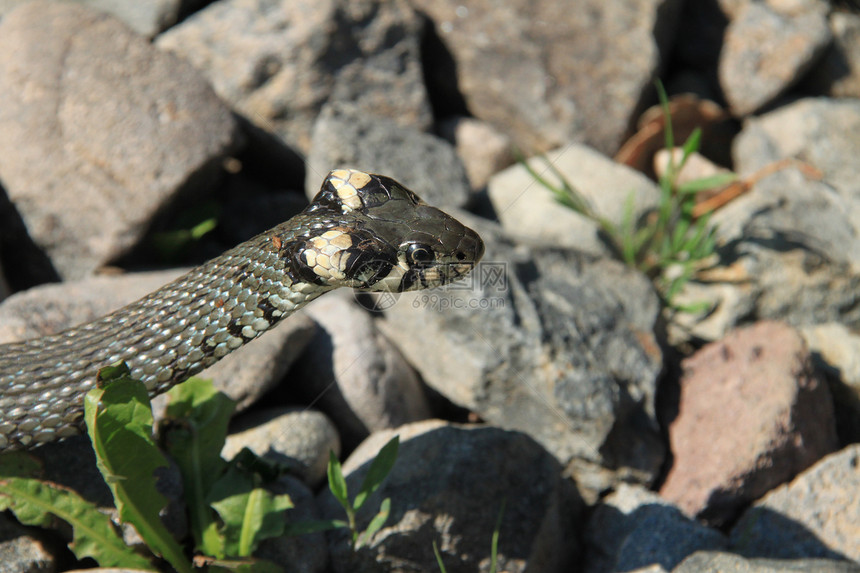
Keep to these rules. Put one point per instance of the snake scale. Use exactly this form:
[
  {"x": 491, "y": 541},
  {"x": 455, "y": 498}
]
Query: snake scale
[{"x": 362, "y": 231}]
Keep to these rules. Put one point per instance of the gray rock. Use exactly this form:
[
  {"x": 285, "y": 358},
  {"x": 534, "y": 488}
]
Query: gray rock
[
  {"x": 528, "y": 211},
  {"x": 484, "y": 149},
  {"x": 355, "y": 374},
  {"x": 836, "y": 352},
  {"x": 768, "y": 47},
  {"x": 300, "y": 438},
  {"x": 20, "y": 552},
  {"x": 775, "y": 419},
  {"x": 100, "y": 132},
  {"x": 634, "y": 528},
  {"x": 277, "y": 62},
  {"x": 389, "y": 85},
  {"x": 146, "y": 17},
  {"x": 447, "y": 487},
  {"x": 531, "y": 68},
  {"x": 720, "y": 562},
  {"x": 838, "y": 72},
  {"x": 551, "y": 343},
  {"x": 303, "y": 554},
  {"x": 794, "y": 240},
  {"x": 816, "y": 515},
  {"x": 244, "y": 375},
  {"x": 824, "y": 133},
  {"x": 346, "y": 136}
]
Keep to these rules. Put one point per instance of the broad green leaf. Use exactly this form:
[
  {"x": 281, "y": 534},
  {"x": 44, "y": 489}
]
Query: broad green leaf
[
  {"x": 707, "y": 183},
  {"x": 194, "y": 433},
  {"x": 376, "y": 523},
  {"x": 379, "y": 469},
  {"x": 35, "y": 502},
  {"x": 248, "y": 512},
  {"x": 119, "y": 422}
]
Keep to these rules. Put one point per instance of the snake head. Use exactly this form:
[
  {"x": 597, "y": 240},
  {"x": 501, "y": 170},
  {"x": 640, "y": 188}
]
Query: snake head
[{"x": 380, "y": 236}]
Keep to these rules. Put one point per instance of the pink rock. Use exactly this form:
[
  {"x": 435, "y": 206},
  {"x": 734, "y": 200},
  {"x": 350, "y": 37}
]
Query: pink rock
[{"x": 752, "y": 415}]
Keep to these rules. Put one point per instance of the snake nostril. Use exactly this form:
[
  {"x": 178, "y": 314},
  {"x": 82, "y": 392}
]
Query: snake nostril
[{"x": 460, "y": 255}]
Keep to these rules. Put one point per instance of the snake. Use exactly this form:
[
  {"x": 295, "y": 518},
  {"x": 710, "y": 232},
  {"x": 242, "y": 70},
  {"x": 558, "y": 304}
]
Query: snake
[{"x": 362, "y": 230}]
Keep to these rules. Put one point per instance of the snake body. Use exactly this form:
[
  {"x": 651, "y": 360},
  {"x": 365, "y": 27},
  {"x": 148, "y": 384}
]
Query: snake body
[{"x": 361, "y": 230}]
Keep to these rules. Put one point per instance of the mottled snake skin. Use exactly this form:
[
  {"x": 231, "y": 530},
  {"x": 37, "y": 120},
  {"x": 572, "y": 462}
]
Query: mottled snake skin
[{"x": 362, "y": 231}]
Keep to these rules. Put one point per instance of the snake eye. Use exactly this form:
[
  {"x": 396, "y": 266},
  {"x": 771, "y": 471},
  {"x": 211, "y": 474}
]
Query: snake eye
[{"x": 419, "y": 254}]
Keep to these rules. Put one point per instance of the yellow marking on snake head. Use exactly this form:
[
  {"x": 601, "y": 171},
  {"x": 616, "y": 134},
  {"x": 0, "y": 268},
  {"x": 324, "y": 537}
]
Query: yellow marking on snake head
[
  {"x": 346, "y": 183},
  {"x": 310, "y": 257},
  {"x": 342, "y": 241},
  {"x": 358, "y": 179}
]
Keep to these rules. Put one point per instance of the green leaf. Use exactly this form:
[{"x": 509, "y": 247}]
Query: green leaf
[
  {"x": 690, "y": 146},
  {"x": 336, "y": 481},
  {"x": 119, "y": 423},
  {"x": 247, "y": 565},
  {"x": 193, "y": 433},
  {"x": 376, "y": 523},
  {"x": 694, "y": 307},
  {"x": 669, "y": 134},
  {"x": 249, "y": 513},
  {"x": 494, "y": 544},
  {"x": 706, "y": 183},
  {"x": 35, "y": 502},
  {"x": 379, "y": 469},
  {"x": 438, "y": 558}
]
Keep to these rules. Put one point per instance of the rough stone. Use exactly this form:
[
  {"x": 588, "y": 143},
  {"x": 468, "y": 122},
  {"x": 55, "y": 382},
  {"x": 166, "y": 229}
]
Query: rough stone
[
  {"x": 836, "y": 353},
  {"x": 19, "y": 551},
  {"x": 531, "y": 68},
  {"x": 299, "y": 438},
  {"x": 528, "y": 211},
  {"x": 720, "y": 562},
  {"x": 634, "y": 528},
  {"x": 774, "y": 419},
  {"x": 244, "y": 375},
  {"x": 825, "y": 133},
  {"x": 484, "y": 150},
  {"x": 100, "y": 130},
  {"x": 345, "y": 135},
  {"x": 816, "y": 515},
  {"x": 146, "y": 17},
  {"x": 355, "y": 374},
  {"x": 278, "y": 62},
  {"x": 549, "y": 342},
  {"x": 793, "y": 239},
  {"x": 448, "y": 486},
  {"x": 838, "y": 72},
  {"x": 768, "y": 47}
]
